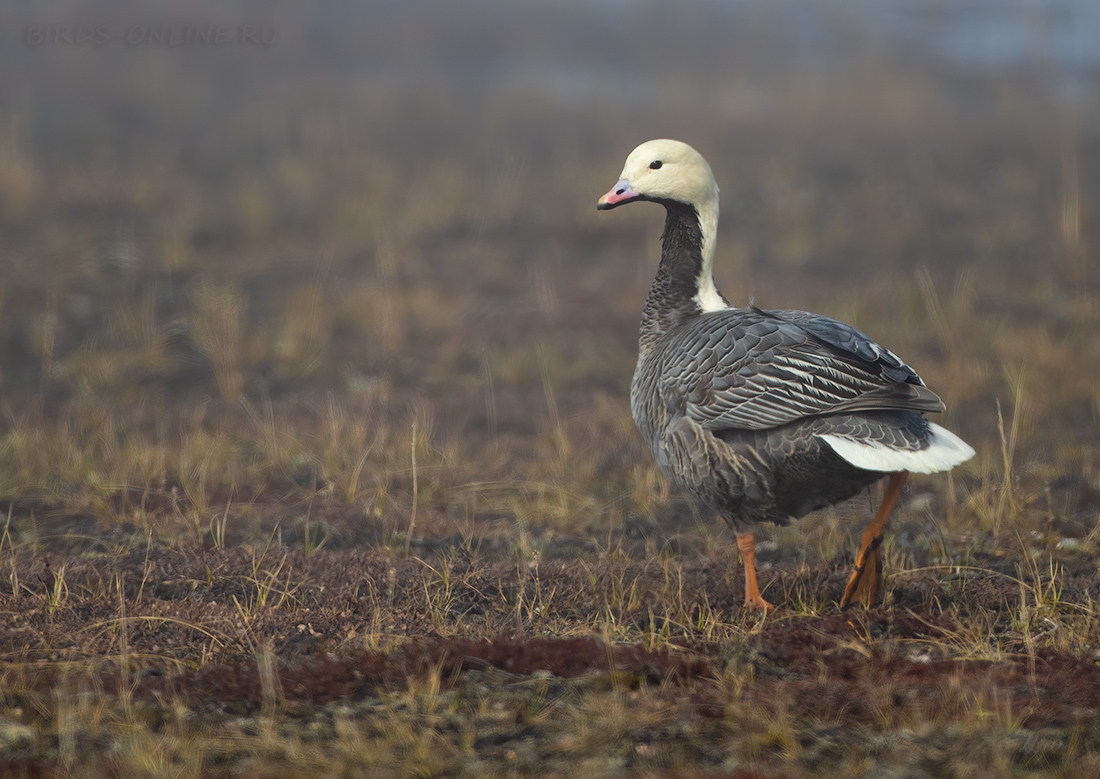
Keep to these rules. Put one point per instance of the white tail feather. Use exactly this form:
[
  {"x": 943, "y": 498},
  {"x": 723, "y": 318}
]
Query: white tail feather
[{"x": 945, "y": 450}]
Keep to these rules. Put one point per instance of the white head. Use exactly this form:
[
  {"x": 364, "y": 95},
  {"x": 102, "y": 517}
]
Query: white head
[{"x": 662, "y": 171}]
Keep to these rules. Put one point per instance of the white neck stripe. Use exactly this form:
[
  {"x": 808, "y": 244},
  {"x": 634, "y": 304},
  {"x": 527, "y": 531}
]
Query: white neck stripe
[{"x": 707, "y": 295}]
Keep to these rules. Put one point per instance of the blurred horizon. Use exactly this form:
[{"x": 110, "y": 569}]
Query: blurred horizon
[
  {"x": 378, "y": 187},
  {"x": 329, "y": 54}
]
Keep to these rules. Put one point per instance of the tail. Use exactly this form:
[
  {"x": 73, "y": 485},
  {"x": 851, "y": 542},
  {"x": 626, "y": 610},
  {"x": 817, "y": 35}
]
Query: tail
[{"x": 943, "y": 452}]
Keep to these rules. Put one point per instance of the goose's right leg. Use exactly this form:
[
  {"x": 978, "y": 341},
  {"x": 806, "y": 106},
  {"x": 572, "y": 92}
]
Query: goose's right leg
[{"x": 865, "y": 586}]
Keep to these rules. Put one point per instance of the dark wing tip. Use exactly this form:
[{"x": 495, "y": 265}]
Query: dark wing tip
[{"x": 847, "y": 340}]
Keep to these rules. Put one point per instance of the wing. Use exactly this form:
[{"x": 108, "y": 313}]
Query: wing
[
  {"x": 754, "y": 369},
  {"x": 848, "y": 340}
]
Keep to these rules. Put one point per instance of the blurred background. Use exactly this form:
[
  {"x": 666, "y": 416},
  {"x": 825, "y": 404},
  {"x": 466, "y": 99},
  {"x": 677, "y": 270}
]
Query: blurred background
[{"x": 230, "y": 233}]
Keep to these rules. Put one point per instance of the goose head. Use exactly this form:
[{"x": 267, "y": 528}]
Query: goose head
[
  {"x": 666, "y": 172},
  {"x": 675, "y": 175}
]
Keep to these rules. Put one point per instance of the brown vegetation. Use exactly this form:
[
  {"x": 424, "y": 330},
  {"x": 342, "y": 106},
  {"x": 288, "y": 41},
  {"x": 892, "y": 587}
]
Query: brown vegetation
[{"x": 315, "y": 455}]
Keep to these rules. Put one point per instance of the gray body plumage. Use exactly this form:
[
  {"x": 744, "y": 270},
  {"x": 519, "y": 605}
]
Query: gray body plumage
[{"x": 734, "y": 402}]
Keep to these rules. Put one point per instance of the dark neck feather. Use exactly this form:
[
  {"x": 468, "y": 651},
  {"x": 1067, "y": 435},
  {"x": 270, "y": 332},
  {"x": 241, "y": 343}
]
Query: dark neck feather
[{"x": 672, "y": 298}]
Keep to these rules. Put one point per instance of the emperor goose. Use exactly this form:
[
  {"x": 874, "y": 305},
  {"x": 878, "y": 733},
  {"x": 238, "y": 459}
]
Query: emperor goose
[{"x": 764, "y": 416}]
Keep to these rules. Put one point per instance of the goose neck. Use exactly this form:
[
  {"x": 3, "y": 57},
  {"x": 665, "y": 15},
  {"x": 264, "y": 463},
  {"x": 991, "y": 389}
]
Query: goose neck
[{"x": 684, "y": 287}]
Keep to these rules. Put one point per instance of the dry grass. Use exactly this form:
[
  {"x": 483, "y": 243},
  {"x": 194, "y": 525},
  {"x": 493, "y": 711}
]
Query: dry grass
[{"x": 315, "y": 455}]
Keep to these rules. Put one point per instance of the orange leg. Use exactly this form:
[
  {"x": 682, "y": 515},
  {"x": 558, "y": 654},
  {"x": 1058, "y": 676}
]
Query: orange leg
[
  {"x": 753, "y": 598},
  {"x": 865, "y": 586}
]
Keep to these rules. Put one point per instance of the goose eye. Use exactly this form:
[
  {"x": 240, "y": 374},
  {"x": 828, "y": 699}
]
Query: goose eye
[{"x": 655, "y": 165}]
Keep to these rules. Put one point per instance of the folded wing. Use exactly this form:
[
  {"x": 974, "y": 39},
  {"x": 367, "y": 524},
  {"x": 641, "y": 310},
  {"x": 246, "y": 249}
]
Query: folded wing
[{"x": 754, "y": 369}]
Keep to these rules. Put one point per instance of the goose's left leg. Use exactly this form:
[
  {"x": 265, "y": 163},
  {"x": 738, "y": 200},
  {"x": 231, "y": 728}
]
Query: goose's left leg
[
  {"x": 865, "y": 586},
  {"x": 753, "y": 599}
]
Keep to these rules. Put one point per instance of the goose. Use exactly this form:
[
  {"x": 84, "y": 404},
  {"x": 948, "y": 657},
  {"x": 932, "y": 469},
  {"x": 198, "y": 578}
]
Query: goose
[{"x": 765, "y": 415}]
